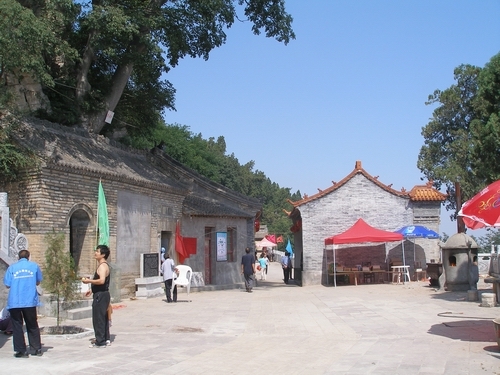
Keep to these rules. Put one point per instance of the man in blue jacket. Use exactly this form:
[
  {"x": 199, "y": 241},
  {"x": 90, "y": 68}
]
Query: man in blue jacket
[{"x": 22, "y": 279}]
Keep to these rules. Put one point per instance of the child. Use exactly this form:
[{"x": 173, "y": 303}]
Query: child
[{"x": 263, "y": 261}]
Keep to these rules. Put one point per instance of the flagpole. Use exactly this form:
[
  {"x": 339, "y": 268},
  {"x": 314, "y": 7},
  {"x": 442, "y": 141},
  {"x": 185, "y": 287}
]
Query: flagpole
[{"x": 97, "y": 218}]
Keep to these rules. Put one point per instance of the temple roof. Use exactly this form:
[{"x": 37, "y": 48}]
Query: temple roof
[
  {"x": 76, "y": 151},
  {"x": 417, "y": 193},
  {"x": 200, "y": 206}
]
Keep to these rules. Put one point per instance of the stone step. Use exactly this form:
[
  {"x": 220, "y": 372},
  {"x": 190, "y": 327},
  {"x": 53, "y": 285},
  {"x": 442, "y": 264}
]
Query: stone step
[{"x": 80, "y": 313}]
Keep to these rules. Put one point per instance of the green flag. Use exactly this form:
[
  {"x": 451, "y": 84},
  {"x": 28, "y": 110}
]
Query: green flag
[{"x": 102, "y": 218}]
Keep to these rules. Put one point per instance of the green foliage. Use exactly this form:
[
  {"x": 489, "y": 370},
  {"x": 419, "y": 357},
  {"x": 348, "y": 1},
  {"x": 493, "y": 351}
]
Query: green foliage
[
  {"x": 209, "y": 158},
  {"x": 485, "y": 126},
  {"x": 100, "y": 55},
  {"x": 30, "y": 42},
  {"x": 492, "y": 237},
  {"x": 13, "y": 159},
  {"x": 462, "y": 140},
  {"x": 59, "y": 271}
]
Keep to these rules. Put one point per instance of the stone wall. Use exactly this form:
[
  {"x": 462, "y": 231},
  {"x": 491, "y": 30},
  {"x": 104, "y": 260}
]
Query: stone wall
[
  {"x": 45, "y": 201},
  {"x": 4, "y": 292},
  {"x": 225, "y": 272}
]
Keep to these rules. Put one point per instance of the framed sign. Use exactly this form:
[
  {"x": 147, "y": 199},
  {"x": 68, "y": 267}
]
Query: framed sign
[
  {"x": 221, "y": 240},
  {"x": 150, "y": 263}
]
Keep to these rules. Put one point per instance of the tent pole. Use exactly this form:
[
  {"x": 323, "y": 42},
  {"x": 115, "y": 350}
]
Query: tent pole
[
  {"x": 334, "y": 268},
  {"x": 404, "y": 262}
]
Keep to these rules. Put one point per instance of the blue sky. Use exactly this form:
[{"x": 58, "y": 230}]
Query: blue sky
[{"x": 352, "y": 86}]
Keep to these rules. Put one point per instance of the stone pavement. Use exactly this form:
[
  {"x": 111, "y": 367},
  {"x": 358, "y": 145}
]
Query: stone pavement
[{"x": 283, "y": 329}]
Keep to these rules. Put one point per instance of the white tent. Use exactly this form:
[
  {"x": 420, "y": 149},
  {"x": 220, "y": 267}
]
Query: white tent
[{"x": 259, "y": 245}]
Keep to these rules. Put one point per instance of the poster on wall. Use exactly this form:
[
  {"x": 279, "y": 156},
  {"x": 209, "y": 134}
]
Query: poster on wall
[{"x": 221, "y": 238}]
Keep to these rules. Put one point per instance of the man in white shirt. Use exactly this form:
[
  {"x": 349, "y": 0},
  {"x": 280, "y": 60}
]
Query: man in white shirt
[{"x": 168, "y": 269}]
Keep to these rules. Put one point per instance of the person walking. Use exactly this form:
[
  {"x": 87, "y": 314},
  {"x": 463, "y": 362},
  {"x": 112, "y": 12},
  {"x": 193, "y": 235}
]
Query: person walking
[
  {"x": 285, "y": 262},
  {"x": 168, "y": 269},
  {"x": 100, "y": 290},
  {"x": 22, "y": 279},
  {"x": 263, "y": 262},
  {"x": 248, "y": 269}
]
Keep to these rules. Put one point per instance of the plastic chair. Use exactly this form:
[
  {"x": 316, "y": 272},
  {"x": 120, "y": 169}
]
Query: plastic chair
[{"x": 183, "y": 279}]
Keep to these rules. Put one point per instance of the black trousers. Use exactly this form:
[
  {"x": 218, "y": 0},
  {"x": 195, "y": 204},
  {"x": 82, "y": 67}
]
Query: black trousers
[
  {"x": 28, "y": 314},
  {"x": 286, "y": 274},
  {"x": 168, "y": 288},
  {"x": 100, "y": 316}
]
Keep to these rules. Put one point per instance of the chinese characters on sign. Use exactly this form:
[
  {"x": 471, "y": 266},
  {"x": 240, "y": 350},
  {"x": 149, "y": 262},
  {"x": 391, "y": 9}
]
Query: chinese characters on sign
[{"x": 221, "y": 240}]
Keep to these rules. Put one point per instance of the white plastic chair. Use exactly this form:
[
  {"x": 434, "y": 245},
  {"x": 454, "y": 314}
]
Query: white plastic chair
[{"x": 183, "y": 279}]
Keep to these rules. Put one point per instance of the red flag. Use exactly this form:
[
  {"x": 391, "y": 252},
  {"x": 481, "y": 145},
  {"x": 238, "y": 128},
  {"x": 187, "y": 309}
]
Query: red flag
[
  {"x": 179, "y": 244},
  {"x": 189, "y": 245},
  {"x": 279, "y": 239},
  {"x": 271, "y": 237}
]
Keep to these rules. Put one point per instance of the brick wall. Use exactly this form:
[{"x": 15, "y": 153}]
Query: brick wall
[{"x": 46, "y": 201}]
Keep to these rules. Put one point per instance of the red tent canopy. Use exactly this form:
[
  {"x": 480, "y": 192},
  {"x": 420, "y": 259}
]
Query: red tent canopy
[{"x": 362, "y": 232}]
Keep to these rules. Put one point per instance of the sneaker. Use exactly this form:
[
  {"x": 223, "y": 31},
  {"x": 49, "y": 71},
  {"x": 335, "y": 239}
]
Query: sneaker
[
  {"x": 21, "y": 355},
  {"x": 38, "y": 353},
  {"x": 97, "y": 346},
  {"x": 108, "y": 342}
]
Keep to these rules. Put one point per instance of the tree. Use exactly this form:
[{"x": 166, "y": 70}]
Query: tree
[
  {"x": 492, "y": 237},
  {"x": 485, "y": 128},
  {"x": 28, "y": 36},
  {"x": 59, "y": 272},
  {"x": 209, "y": 158},
  {"x": 446, "y": 156},
  {"x": 124, "y": 48},
  {"x": 462, "y": 140},
  {"x": 13, "y": 158}
]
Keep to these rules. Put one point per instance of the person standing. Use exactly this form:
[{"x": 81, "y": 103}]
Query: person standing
[
  {"x": 22, "y": 279},
  {"x": 248, "y": 269},
  {"x": 263, "y": 262},
  {"x": 168, "y": 269},
  {"x": 285, "y": 261},
  {"x": 100, "y": 290}
]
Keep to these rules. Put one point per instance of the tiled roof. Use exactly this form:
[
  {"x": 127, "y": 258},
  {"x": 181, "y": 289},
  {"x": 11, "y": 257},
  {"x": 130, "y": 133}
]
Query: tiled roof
[
  {"x": 426, "y": 193},
  {"x": 64, "y": 147},
  {"x": 197, "y": 206},
  {"x": 75, "y": 150},
  {"x": 418, "y": 193}
]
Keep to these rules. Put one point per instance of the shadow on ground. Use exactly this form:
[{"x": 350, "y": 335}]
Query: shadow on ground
[
  {"x": 455, "y": 296},
  {"x": 465, "y": 330}
]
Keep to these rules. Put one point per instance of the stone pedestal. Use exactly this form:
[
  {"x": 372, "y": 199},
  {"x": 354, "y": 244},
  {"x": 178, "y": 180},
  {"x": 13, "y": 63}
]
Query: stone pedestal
[
  {"x": 148, "y": 287},
  {"x": 472, "y": 295},
  {"x": 488, "y": 300}
]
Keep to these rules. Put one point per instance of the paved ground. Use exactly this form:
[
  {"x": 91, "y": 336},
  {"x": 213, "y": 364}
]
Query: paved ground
[{"x": 283, "y": 329}]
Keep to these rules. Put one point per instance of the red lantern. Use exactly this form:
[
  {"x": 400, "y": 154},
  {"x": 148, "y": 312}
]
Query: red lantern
[{"x": 256, "y": 225}]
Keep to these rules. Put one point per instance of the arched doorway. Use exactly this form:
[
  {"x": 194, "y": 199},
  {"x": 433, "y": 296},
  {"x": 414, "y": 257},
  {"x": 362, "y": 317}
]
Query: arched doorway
[{"x": 80, "y": 239}]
